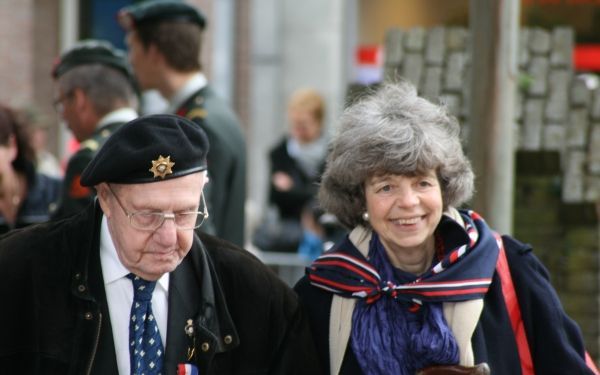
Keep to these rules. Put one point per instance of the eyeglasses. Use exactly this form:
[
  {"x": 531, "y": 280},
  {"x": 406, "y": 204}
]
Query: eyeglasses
[
  {"x": 151, "y": 221},
  {"x": 58, "y": 102}
]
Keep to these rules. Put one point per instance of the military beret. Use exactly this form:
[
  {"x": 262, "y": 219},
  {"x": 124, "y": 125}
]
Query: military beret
[
  {"x": 150, "y": 148},
  {"x": 92, "y": 51},
  {"x": 159, "y": 10}
]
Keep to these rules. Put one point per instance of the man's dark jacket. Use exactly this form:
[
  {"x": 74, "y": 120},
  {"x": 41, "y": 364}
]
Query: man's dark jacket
[
  {"x": 54, "y": 318},
  {"x": 226, "y": 190}
]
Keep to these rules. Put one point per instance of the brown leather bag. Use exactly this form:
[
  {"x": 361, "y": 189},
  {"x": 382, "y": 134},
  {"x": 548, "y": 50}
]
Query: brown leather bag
[{"x": 480, "y": 369}]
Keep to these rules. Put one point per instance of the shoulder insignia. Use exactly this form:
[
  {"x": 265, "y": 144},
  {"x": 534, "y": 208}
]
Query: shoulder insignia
[
  {"x": 90, "y": 144},
  {"x": 77, "y": 191},
  {"x": 196, "y": 112}
]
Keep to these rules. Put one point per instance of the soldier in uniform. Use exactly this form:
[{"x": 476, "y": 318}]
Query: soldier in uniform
[
  {"x": 164, "y": 39},
  {"x": 95, "y": 94}
]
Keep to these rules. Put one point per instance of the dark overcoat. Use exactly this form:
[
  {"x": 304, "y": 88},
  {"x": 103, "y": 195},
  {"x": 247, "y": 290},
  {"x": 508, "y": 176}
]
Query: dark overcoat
[{"x": 54, "y": 318}]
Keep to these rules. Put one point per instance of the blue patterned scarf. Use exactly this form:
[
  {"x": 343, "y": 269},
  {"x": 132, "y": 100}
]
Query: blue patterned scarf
[{"x": 398, "y": 325}]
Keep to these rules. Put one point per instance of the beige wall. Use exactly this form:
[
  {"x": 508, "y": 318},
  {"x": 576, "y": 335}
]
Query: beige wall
[{"x": 376, "y": 16}]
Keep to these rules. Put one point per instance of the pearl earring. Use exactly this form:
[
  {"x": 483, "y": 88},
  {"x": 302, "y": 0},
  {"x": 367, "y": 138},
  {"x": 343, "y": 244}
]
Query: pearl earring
[{"x": 365, "y": 216}]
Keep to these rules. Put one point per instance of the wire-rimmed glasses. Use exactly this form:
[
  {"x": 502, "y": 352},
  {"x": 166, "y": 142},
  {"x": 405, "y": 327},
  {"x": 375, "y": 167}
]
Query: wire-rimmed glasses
[{"x": 151, "y": 220}]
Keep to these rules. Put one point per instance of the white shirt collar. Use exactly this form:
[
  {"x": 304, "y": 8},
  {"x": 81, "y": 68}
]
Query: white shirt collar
[
  {"x": 197, "y": 82},
  {"x": 120, "y": 115},
  {"x": 112, "y": 268}
]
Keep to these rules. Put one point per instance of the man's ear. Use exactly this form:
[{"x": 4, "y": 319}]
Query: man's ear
[
  {"x": 154, "y": 54},
  {"x": 80, "y": 98},
  {"x": 102, "y": 192}
]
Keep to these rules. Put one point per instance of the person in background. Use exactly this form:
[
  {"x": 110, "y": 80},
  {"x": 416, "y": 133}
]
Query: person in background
[
  {"x": 297, "y": 162},
  {"x": 94, "y": 94},
  {"x": 164, "y": 41},
  {"x": 26, "y": 196},
  {"x": 128, "y": 287},
  {"x": 46, "y": 162},
  {"x": 419, "y": 284}
]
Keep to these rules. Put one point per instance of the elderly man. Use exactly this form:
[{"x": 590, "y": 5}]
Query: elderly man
[
  {"x": 164, "y": 40},
  {"x": 128, "y": 287},
  {"x": 95, "y": 94}
]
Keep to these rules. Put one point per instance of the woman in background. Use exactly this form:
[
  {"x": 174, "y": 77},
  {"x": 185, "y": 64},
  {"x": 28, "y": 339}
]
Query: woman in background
[
  {"x": 26, "y": 197},
  {"x": 296, "y": 164}
]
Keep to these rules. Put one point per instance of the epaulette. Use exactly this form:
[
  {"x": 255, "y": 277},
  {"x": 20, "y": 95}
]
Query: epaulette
[
  {"x": 90, "y": 144},
  {"x": 196, "y": 113}
]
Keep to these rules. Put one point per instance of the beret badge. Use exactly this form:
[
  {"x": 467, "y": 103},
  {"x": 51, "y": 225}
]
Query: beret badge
[{"x": 162, "y": 166}]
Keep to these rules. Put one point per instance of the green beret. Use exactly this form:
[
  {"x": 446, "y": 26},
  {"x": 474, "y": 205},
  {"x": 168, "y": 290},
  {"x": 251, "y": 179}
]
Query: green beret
[
  {"x": 149, "y": 149},
  {"x": 92, "y": 52},
  {"x": 159, "y": 10}
]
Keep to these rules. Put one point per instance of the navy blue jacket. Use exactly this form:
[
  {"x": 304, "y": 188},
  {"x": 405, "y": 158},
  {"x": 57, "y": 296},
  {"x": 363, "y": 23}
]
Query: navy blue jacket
[{"x": 555, "y": 340}]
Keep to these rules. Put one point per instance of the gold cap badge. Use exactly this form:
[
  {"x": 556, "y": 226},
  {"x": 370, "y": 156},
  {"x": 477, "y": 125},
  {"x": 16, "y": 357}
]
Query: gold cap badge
[{"x": 162, "y": 166}]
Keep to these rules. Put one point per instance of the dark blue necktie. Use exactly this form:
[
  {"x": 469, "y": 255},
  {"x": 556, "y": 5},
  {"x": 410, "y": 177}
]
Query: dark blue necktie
[{"x": 145, "y": 346}]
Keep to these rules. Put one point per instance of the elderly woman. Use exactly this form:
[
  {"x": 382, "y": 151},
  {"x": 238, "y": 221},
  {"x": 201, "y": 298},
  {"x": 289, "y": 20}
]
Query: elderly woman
[
  {"x": 26, "y": 197},
  {"x": 418, "y": 283}
]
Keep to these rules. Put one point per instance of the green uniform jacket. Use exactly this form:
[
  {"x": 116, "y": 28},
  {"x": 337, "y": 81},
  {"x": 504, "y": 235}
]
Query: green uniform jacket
[
  {"x": 74, "y": 196},
  {"x": 226, "y": 190}
]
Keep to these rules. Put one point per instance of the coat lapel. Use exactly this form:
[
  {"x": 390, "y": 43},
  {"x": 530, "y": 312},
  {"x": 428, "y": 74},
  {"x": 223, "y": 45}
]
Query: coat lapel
[{"x": 184, "y": 302}]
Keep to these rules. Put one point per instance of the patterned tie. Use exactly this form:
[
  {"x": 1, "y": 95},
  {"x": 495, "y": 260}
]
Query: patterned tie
[{"x": 145, "y": 346}]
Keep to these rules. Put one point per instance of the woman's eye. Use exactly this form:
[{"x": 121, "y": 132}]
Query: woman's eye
[{"x": 385, "y": 188}]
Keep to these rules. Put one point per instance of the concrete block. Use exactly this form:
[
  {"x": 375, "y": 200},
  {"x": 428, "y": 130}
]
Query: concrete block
[
  {"x": 592, "y": 188},
  {"x": 559, "y": 81},
  {"x": 455, "y": 79},
  {"x": 573, "y": 187},
  {"x": 432, "y": 82},
  {"x": 574, "y": 176},
  {"x": 563, "y": 39},
  {"x": 595, "y": 105},
  {"x": 577, "y": 127},
  {"x": 435, "y": 48},
  {"x": 523, "y": 56},
  {"x": 594, "y": 150},
  {"x": 452, "y": 102},
  {"x": 519, "y": 97},
  {"x": 393, "y": 47},
  {"x": 391, "y": 73},
  {"x": 575, "y": 162},
  {"x": 414, "y": 40},
  {"x": 539, "y": 41},
  {"x": 412, "y": 68},
  {"x": 538, "y": 71},
  {"x": 531, "y": 135},
  {"x": 457, "y": 38},
  {"x": 553, "y": 137},
  {"x": 581, "y": 95}
]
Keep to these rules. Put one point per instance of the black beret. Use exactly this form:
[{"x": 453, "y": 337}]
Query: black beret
[
  {"x": 92, "y": 52},
  {"x": 149, "y": 149},
  {"x": 159, "y": 10}
]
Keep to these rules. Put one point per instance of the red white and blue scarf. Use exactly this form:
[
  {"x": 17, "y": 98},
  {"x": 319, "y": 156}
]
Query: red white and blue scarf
[
  {"x": 465, "y": 271},
  {"x": 398, "y": 325}
]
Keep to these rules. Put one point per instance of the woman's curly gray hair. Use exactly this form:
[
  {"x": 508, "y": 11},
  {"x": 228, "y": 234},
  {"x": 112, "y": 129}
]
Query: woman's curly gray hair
[{"x": 392, "y": 131}]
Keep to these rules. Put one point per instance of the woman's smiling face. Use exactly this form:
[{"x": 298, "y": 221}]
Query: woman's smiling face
[{"x": 404, "y": 210}]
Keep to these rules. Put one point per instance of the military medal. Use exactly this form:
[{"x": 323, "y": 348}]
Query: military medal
[{"x": 188, "y": 368}]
